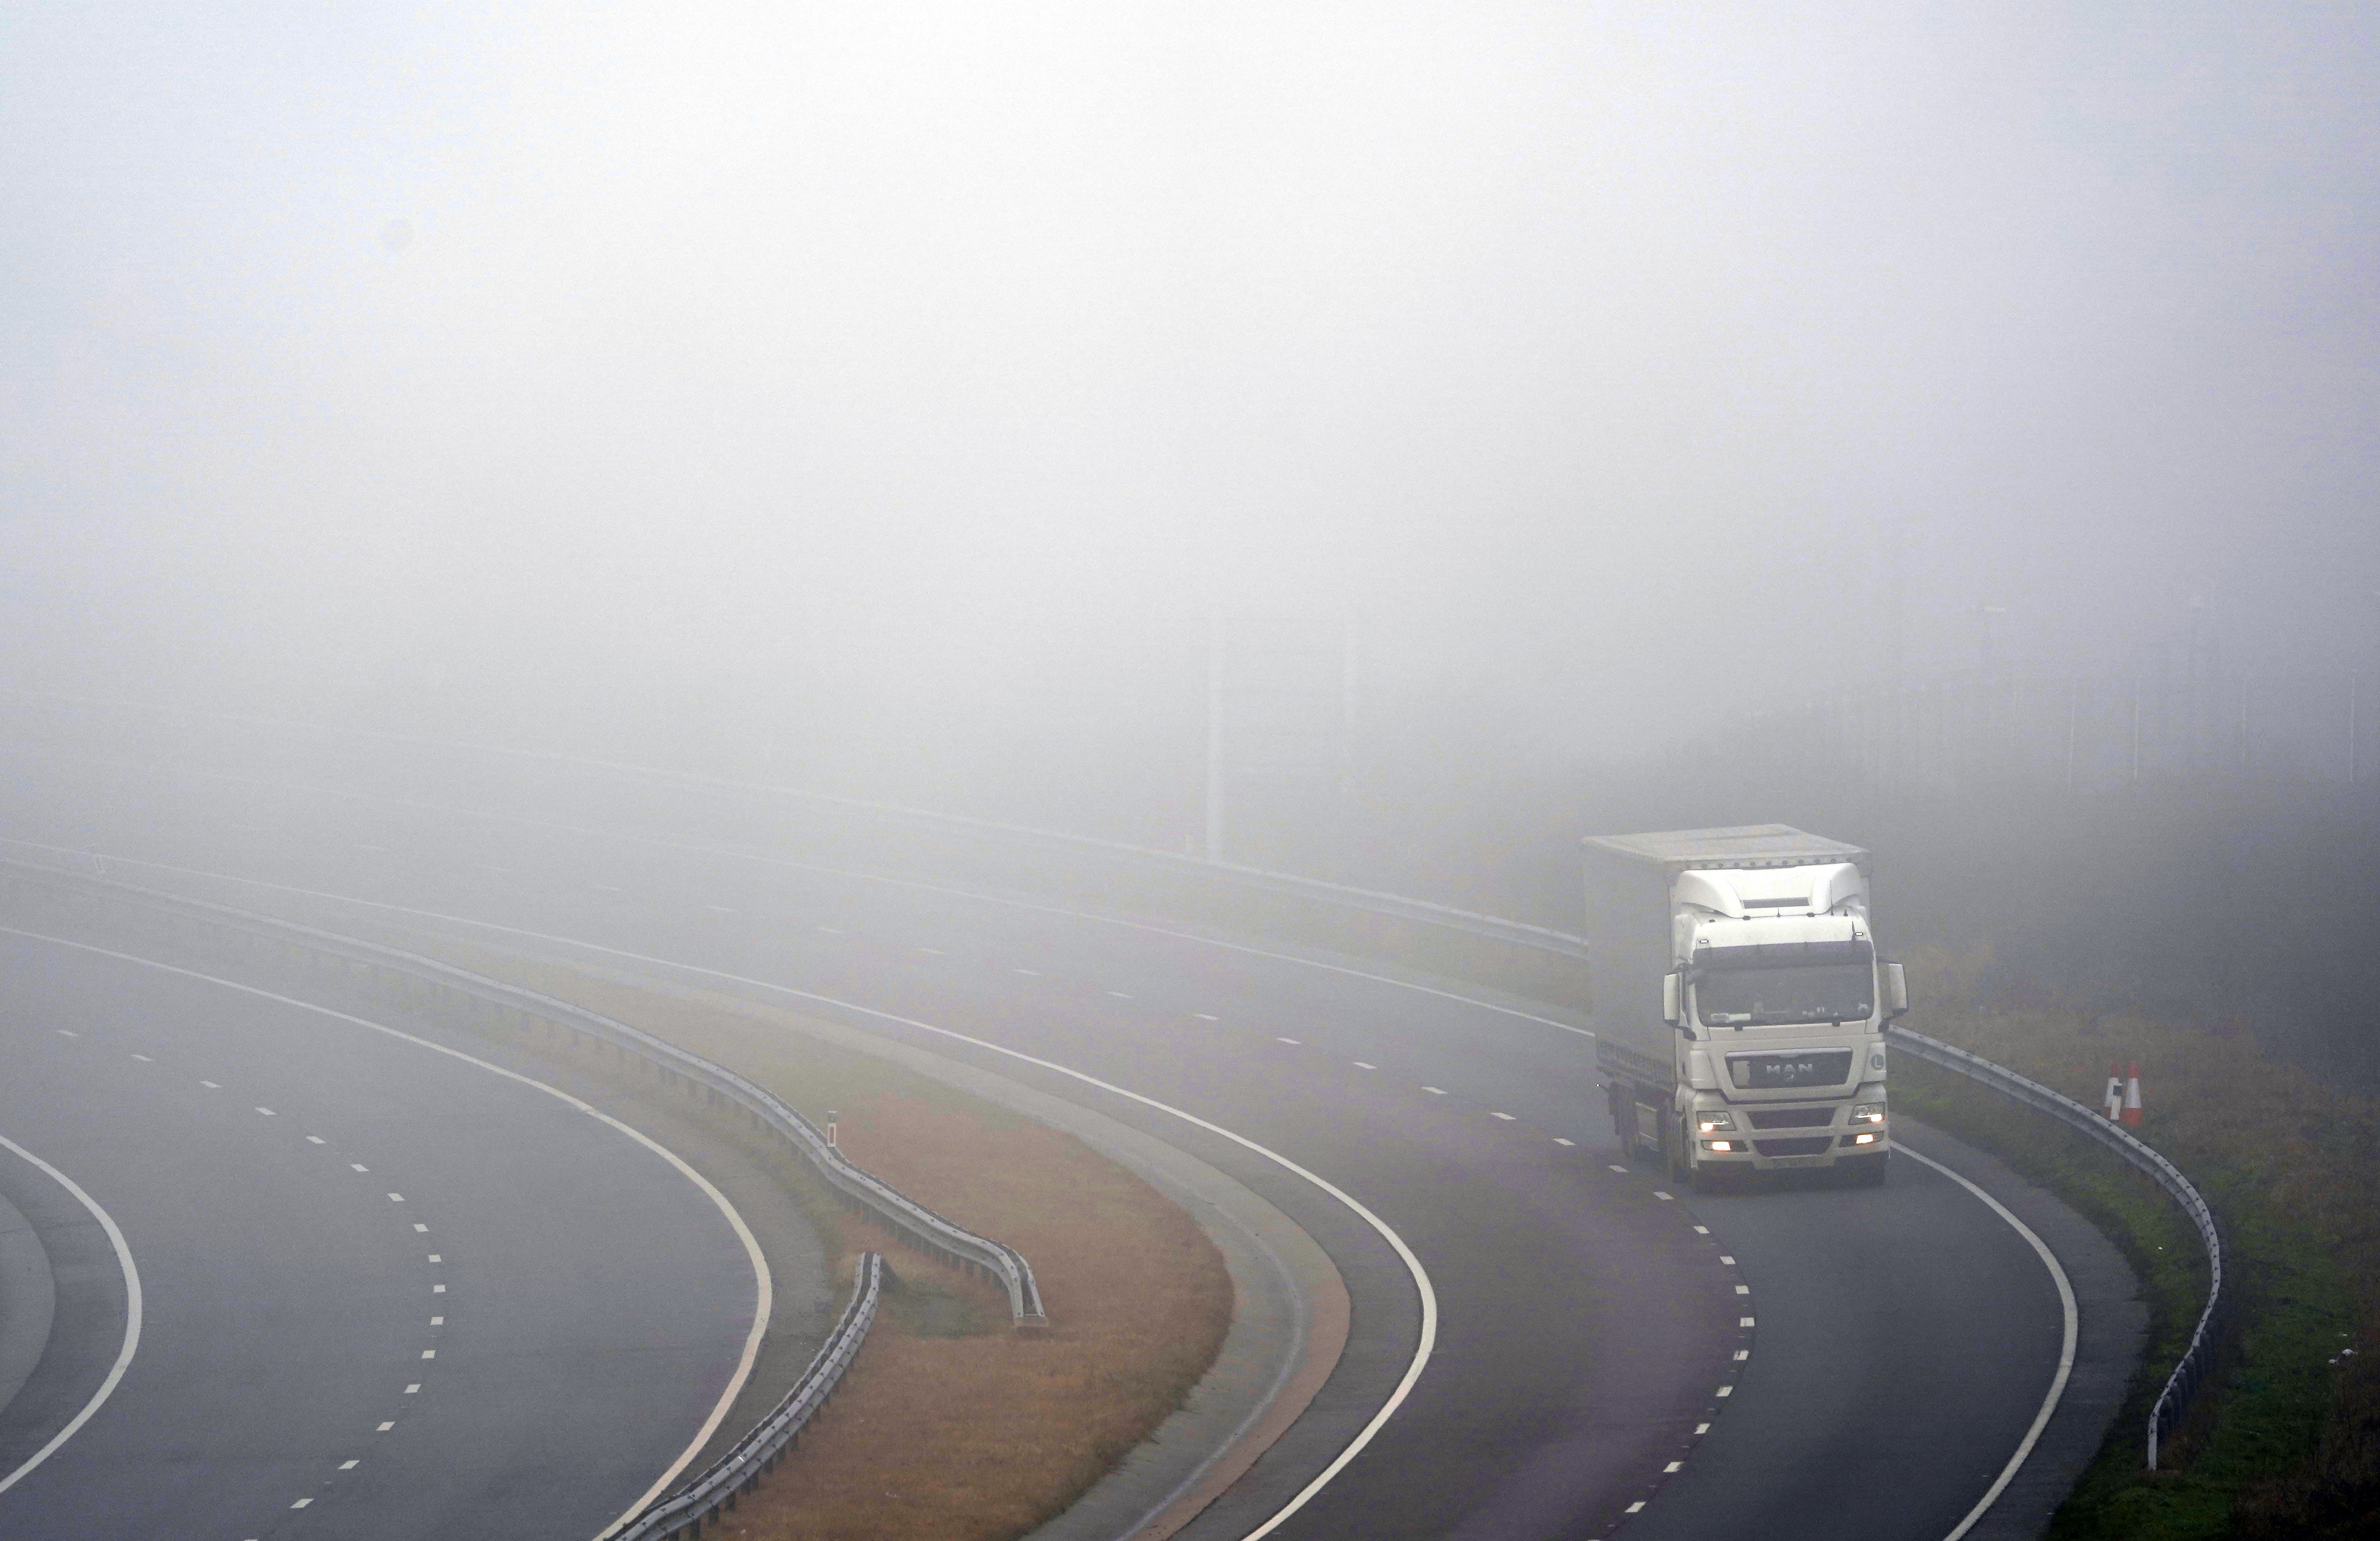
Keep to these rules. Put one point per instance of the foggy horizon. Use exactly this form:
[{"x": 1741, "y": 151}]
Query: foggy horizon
[{"x": 929, "y": 375}]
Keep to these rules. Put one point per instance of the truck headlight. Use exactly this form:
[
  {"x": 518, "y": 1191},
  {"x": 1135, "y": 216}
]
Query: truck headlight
[
  {"x": 1716, "y": 1119},
  {"x": 1868, "y": 1112}
]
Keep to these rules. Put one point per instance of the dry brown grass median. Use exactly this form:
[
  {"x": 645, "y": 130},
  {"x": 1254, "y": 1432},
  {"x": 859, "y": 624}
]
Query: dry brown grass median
[{"x": 949, "y": 1425}]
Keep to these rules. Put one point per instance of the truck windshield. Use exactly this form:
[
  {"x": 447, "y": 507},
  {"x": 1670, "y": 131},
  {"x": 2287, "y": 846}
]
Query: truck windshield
[{"x": 1772, "y": 997}]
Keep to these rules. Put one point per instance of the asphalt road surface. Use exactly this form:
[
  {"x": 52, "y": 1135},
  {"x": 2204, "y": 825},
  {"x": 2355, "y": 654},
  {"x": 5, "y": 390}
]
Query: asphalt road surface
[
  {"x": 383, "y": 1292},
  {"x": 1813, "y": 1361}
]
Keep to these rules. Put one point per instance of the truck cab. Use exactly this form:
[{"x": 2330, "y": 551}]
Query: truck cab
[{"x": 1779, "y": 1008}]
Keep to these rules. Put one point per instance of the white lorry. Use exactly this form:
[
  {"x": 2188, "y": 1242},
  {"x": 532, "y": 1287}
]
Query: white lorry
[{"x": 1739, "y": 1004}]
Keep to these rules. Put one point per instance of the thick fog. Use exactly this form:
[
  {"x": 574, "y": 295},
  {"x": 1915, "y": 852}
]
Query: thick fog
[{"x": 920, "y": 377}]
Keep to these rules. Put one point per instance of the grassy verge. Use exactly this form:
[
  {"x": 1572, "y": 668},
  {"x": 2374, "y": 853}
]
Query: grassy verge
[
  {"x": 2287, "y": 1442},
  {"x": 949, "y": 1424}
]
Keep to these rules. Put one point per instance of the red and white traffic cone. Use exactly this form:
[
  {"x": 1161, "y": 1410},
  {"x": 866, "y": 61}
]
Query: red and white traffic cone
[
  {"x": 2112, "y": 1101},
  {"x": 2132, "y": 1097}
]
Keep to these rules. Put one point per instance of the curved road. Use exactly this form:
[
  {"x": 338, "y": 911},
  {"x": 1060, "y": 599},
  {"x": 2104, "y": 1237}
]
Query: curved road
[
  {"x": 1877, "y": 1354},
  {"x": 385, "y": 1291}
]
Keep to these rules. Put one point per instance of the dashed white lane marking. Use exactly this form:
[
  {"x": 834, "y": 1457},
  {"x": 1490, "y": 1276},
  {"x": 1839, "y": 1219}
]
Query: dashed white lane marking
[
  {"x": 1746, "y": 1321},
  {"x": 437, "y": 1321},
  {"x": 1702, "y": 1428},
  {"x": 66, "y": 1032},
  {"x": 358, "y": 1166},
  {"x": 301, "y": 1503},
  {"x": 1119, "y": 995},
  {"x": 429, "y": 1353},
  {"x": 349, "y": 1465},
  {"x": 1506, "y": 1117},
  {"x": 315, "y": 1139},
  {"x": 267, "y": 1113},
  {"x": 435, "y": 1259},
  {"x": 1435, "y": 1091},
  {"x": 1702, "y": 1230},
  {"x": 1559, "y": 1140},
  {"x": 2065, "y": 1352},
  {"x": 391, "y": 1424},
  {"x": 1203, "y": 1017},
  {"x": 210, "y": 1085},
  {"x": 131, "y": 1313},
  {"x": 1292, "y": 1043},
  {"x": 413, "y": 1389},
  {"x": 1673, "y": 1465},
  {"x": 932, "y": 951},
  {"x": 1361, "y": 1066},
  {"x": 438, "y": 1288},
  {"x": 1723, "y": 1257},
  {"x": 1743, "y": 1289},
  {"x": 1742, "y": 1354},
  {"x": 607, "y": 888},
  {"x": 831, "y": 930},
  {"x": 1617, "y": 1166},
  {"x": 144, "y": 1059},
  {"x": 1665, "y": 1199},
  {"x": 1030, "y": 973},
  {"x": 417, "y": 1226},
  {"x": 396, "y": 1199},
  {"x": 1727, "y": 1390},
  {"x": 1634, "y": 1507}
]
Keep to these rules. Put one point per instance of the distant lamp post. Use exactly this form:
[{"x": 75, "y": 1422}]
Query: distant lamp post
[{"x": 1989, "y": 643}]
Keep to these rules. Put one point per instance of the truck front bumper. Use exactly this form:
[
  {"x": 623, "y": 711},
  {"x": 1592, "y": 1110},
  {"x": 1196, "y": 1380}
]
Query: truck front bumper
[{"x": 1763, "y": 1151}]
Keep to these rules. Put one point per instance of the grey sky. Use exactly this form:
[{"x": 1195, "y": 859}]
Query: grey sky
[{"x": 1587, "y": 349}]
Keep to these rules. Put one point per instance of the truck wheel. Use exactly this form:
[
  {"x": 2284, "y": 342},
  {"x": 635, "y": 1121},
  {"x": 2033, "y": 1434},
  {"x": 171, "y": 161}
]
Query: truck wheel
[{"x": 1680, "y": 1155}]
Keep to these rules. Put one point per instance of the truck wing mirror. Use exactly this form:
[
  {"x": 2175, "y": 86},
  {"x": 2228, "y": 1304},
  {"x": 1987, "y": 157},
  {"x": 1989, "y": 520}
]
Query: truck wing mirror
[
  {"x": 1896, "y": 991},
  {"x": 1673, "y": 1000}
]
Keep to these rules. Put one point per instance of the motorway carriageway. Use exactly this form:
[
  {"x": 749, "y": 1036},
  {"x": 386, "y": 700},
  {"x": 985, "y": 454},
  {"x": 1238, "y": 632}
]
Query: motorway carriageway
[
  {"x": 358, "y": 1285},
  {"x": 1812, "y": 1361}
]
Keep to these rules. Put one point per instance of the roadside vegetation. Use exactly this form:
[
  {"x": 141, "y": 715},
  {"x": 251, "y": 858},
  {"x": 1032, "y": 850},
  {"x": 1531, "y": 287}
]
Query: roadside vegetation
[
  {"x": 2287, "y": 1442},
  {"x": 950, "y": 1424}
]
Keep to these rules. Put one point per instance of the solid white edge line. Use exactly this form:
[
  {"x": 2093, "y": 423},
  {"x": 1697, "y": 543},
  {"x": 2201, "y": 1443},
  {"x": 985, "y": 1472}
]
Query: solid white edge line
[
  {"x": 1413, "y": 1264},
  {"x": 131, "y": 1314},
  {"x": 765, "y": 1285},
  {"x": 2065, "y": 1352}
]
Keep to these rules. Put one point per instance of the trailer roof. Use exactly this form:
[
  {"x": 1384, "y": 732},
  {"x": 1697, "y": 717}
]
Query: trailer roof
[{"x": 1739, "y": 845}]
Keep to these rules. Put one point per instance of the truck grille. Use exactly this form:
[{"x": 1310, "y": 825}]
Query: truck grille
[
  {"x": 1793, "y": 1147},
  {"x": 1793, "y": 1118}
]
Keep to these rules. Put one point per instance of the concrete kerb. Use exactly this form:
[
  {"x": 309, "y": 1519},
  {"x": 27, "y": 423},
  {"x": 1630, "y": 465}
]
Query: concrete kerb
[
  {"x": 28, "y": 1300},
  {"x": 1290, "y": 1308}
]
